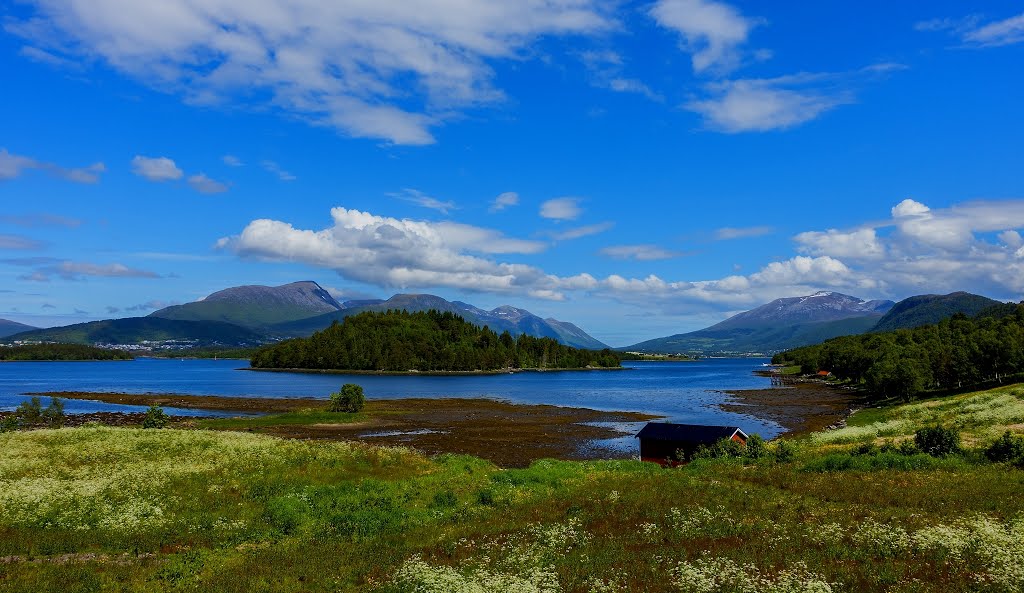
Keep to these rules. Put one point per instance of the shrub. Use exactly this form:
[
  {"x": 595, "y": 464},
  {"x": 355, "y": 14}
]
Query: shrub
[
  {"x": 784, "y": 451},
  {"x": 31, "y": 411},
  {"x": 350, "y": 399},
  {"x": 1008, "y": 447},
  {"x": 723, "y": 448},
  {"x": 155, "y": 418},
  {"x": 938, "y": 441},
  {"x": 756, "y": 449},
  {"x": 53, "y": 415},
  {"x": 9, "y": 424}
]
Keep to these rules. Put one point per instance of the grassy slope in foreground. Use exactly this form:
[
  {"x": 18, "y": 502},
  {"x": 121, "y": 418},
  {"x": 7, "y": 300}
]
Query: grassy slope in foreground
[{"x": 127, "y": 509}]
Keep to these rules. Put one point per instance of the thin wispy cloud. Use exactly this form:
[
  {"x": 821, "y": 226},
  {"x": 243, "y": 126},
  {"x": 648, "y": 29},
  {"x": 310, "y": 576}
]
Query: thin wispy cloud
[
  {"x": 504, "y": 200},
  {"x": 18, "y": 242},
  {"x": 728, "y": 233},
  {"x": 205, "y": 185},
  {"x": 973, "y": 31},
  {"x": 13, "y": 166},
  {"x": 377, "y": 70},
  {"x": 582, "y": 231},
  {"x": 273, "y": 167},
  {"x": 46, "y": 269},
  {"x": 414, "y": 196},
  {"x": 640, "y": 252},
  {"x": 231, "y": 160},
  {"x": 40, "y": 220}
]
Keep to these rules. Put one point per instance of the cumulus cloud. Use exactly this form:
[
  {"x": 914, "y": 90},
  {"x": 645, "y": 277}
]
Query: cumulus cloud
[
  {"x": 419, "y": 198},
  {"x": 157, "y": 169},
  {"x": 639, "y": 252},
  {"x": 561, "y": 209},
  {"x": 713, "y": 32},
  {"x": 859, "y": 243},
  {"x": 380, "y": 70},
  {"x": 504, "y": 200},
  {"x": 13, "y": 165},
  {"x": 205, "y": 185}
]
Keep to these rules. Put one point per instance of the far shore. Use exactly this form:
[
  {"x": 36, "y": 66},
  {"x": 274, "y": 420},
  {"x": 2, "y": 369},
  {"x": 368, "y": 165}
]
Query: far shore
[{"x": 430, "y": 373}]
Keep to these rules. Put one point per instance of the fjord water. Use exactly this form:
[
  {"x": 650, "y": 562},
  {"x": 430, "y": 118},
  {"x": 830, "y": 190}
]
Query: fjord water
[{"x": 679, "y": 391}]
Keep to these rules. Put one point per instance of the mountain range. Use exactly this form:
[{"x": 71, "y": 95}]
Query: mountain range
[
  {"x": 248, "y": 315},
  {"x": 800, "y": 321}
]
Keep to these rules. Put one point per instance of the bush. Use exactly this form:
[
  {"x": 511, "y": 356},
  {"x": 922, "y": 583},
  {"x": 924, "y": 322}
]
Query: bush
[
  {"x": 938, "y": 441},
  {"x": 31, "y": 411},
  {"x": 784, "y": 451},
  {"x": 1006, "y": 448},
  {"x": 350, "y": 399},
  {"x": 53, "y": 415},
  {"x": 155, "y": 418},
  {"x": 723, "y": 448},
  {"x": 9, "y": 424},
  {"x": 756, "y": 448}
]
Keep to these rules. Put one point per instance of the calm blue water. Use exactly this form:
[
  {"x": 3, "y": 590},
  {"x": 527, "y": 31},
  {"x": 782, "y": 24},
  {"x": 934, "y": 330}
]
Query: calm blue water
[{"x": 682, "y": 392}]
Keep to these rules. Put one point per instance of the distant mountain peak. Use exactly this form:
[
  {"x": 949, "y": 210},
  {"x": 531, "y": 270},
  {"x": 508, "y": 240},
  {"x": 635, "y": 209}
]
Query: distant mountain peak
[{"x": 257, "y": 306}]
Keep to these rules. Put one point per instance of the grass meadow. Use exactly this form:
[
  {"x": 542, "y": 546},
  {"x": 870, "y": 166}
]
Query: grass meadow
[{"x": 121, "y": 509}]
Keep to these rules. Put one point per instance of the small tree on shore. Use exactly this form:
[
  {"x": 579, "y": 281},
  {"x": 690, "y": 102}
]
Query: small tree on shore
[
  {"x": 350, "y": 399},
  {"x": 155, "y": 418}
]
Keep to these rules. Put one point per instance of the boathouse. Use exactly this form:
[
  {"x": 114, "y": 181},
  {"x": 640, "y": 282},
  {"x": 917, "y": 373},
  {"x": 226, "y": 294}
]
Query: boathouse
[{"x": 662, "y": 442}]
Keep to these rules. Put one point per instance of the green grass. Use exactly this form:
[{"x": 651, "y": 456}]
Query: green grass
[{"x": 92, "y": 509}]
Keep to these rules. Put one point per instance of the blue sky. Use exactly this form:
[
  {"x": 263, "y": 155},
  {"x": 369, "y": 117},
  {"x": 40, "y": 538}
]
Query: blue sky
[{"x": 638, "y": 168}]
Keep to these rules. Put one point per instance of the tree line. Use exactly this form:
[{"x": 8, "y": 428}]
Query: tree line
[
  {"x": 955, "y": 353},
  {"x": 34, "y": 352},
  {"x": 397, "y": 340}
]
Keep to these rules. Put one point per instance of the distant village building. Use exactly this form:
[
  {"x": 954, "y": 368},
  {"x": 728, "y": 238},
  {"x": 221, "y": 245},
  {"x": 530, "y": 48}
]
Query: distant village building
[{"x": 666, "y": 443}]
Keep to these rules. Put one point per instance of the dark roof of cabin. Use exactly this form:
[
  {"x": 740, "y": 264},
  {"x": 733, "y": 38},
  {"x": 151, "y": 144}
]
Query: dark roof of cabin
[{"x": 689, "y": 433}]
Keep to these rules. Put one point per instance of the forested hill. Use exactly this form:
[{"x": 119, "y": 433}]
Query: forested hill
[
  {"x": 34, "y": 352},
  {"x": 422, "y": 341},
  {"x": 957, "y": 352}
]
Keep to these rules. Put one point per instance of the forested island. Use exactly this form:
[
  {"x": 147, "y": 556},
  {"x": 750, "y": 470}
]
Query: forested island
[
  {"x": 956, "y": 353},
  {"x": 57, "y": 352},
  {"x": 427, "y": 341}
]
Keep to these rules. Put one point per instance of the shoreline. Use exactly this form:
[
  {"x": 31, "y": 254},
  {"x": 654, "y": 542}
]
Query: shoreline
[
  {"x": 799, "y": 408},
  {"x": 507, "y": 434}
]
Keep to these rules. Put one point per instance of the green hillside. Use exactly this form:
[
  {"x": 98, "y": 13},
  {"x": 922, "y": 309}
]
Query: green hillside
[
  {"x": 931, "y": 308},
  {"x": 133, "y": 330},
  {"x": 422, "y": 341},
  {"x": 34, "y": 352}
]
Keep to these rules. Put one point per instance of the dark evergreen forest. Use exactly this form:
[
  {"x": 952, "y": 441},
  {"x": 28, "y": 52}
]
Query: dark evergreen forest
[
  {"x": 60, "y": 352},
  {"x": 423, "y": 341},
  {"x": 955, "y": 353}
]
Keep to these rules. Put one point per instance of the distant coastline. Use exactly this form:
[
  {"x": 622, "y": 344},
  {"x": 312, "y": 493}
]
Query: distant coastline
[{"x": 414, "y": 373}]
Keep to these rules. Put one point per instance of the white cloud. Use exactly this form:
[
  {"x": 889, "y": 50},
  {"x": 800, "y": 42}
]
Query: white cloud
[
  {"x": 729, "y": 233},
  {"x": 273, "y": 167},
  {"x": 13, "y": 165},
  {"x": 561, "y": 209},
  {"x": 419, "y": 198},
  {"x": 582, "y": 231},
  {"x": 504, "y": 200},
  {"x": 385, "y": 70},
  {"x": 205, "y": 185},
  {"x": 231, "y": 160},
  {"x": 860, "y": 243},
  {"x": 45, "y": 268},
  {"x": 759, "y": 105},
  {"x": 639, "y": 252},
  {"x": 157, "y": 169},
  {"x": 713, "y": 32},
  {"x": 973, "y": 33},
  {"x": 607, "y": 67}
]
